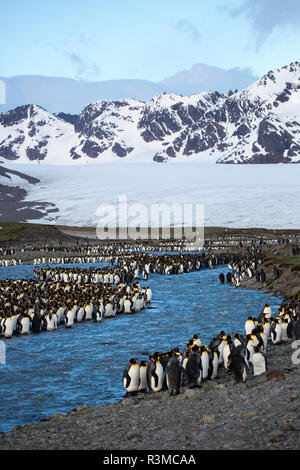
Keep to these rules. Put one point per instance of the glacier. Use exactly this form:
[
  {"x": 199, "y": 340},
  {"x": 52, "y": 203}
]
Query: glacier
[{"x": 233, "y": 195}]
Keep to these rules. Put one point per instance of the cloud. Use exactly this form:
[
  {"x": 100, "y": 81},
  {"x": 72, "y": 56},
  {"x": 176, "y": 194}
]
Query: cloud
[
  {"x": 267, "y": 15},
  {"x": 84, "y": 70},
  {"x": 203, "y": 77},
  {"x": 187, "y": 27}
]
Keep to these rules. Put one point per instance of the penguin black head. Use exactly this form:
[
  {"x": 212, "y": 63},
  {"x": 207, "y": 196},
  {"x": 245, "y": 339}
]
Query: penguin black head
[{"x": 132, "y": 361}]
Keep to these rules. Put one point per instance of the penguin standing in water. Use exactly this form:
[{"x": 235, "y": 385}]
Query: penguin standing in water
[
  {"x": 259, "y": 362},
  {"x": 89, "y": 310},
  {"x": 128, "y": 306},
  {"x": 8, "y": 326},
  {"x": 70, "y": 317},
  {"x": 51, "y": 321},
  {"x": 194, "y": 368},
  {"x": 131, "y": 377},
  {"x": 156, "y": 373},
  {"x": 221, "y": 278},
  {"x": 173, "y": 374},
  {"x": 23, "y": 324},
  {"x": 36, "y": 323},
  {"x": 149, "y": 294},
  {"x": 143, "y": 384}
]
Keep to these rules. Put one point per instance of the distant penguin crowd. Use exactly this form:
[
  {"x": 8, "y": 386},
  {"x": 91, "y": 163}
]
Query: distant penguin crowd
[
  {"x": 240, "y": 354},
  {"x": 10, "y": 262},
  {"x": 30, "y": 306},
  {"x": 245, "y": 267}
]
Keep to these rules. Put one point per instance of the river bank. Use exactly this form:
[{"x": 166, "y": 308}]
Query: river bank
[
  {"x": 287, "y": 285},
  {"x": 262, "y": 414}
]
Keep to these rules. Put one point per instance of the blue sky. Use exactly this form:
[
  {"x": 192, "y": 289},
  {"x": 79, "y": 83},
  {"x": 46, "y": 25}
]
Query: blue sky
[{"x": 153, "y": 39}]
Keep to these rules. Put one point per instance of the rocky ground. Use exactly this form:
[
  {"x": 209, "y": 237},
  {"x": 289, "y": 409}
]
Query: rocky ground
[{"x": 262, "y": 414}]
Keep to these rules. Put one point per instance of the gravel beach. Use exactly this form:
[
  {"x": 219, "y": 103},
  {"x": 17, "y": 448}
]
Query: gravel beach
[{"x": 262, "y": 414}]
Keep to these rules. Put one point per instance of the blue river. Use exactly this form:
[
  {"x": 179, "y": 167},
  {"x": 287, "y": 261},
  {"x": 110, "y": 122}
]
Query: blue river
[{"x": 61, "y": 370}]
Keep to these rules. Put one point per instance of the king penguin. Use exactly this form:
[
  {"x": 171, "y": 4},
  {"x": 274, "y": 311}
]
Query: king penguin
[
  {"x": 259, "y": 362},
  {"x": 173, "y": 374},
  {"x": 249, "y": 326},
  {"x": 193, "y": 368},
  {"x": 131, "y": 377},
  {"x": 276, "y": 332},
  {"x": 213, "y": 363},
  {"x": 238, "y": 364},
  {"x": 156, "y": 373},
  {"x": 143, "y": 377},
  {"x": 204, "y": 362}
]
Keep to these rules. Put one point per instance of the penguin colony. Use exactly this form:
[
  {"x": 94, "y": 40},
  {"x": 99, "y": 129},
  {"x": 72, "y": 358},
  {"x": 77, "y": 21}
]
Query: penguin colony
[
  {"x": 29, "y": 306},
  {"x": 245, "y": 267},
  {"x": 240, "y": 355},
  {"x": 66, "y": 296}
]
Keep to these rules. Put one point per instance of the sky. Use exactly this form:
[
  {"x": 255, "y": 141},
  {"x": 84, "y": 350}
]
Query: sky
[{"x": 96, "y": 40}]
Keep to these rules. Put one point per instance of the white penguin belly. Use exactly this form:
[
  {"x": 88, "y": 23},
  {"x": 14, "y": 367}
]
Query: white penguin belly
[
  {"x": 25, "y": 326},
  {"x": 80, "y": 314},
  {"x": 89, "y": 310},
  {"x": 258, "y": 363},
  {"x": 134, "y": 374},
  {"x": 159, "y": 371}
]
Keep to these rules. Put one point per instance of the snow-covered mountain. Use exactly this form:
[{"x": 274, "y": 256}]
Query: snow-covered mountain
[{"x": 259, "y": 124}]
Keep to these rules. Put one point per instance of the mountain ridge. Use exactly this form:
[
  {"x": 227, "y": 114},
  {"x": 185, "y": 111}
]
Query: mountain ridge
[{"x": 259, "y": 124}]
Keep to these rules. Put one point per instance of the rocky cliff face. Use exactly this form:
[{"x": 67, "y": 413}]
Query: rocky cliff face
[{"x": 259, "y": 124}]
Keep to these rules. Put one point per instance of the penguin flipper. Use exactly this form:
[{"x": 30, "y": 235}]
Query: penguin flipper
[
  {"x": 126, "y": 378},
  {"x": 154, "y": 374}
]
